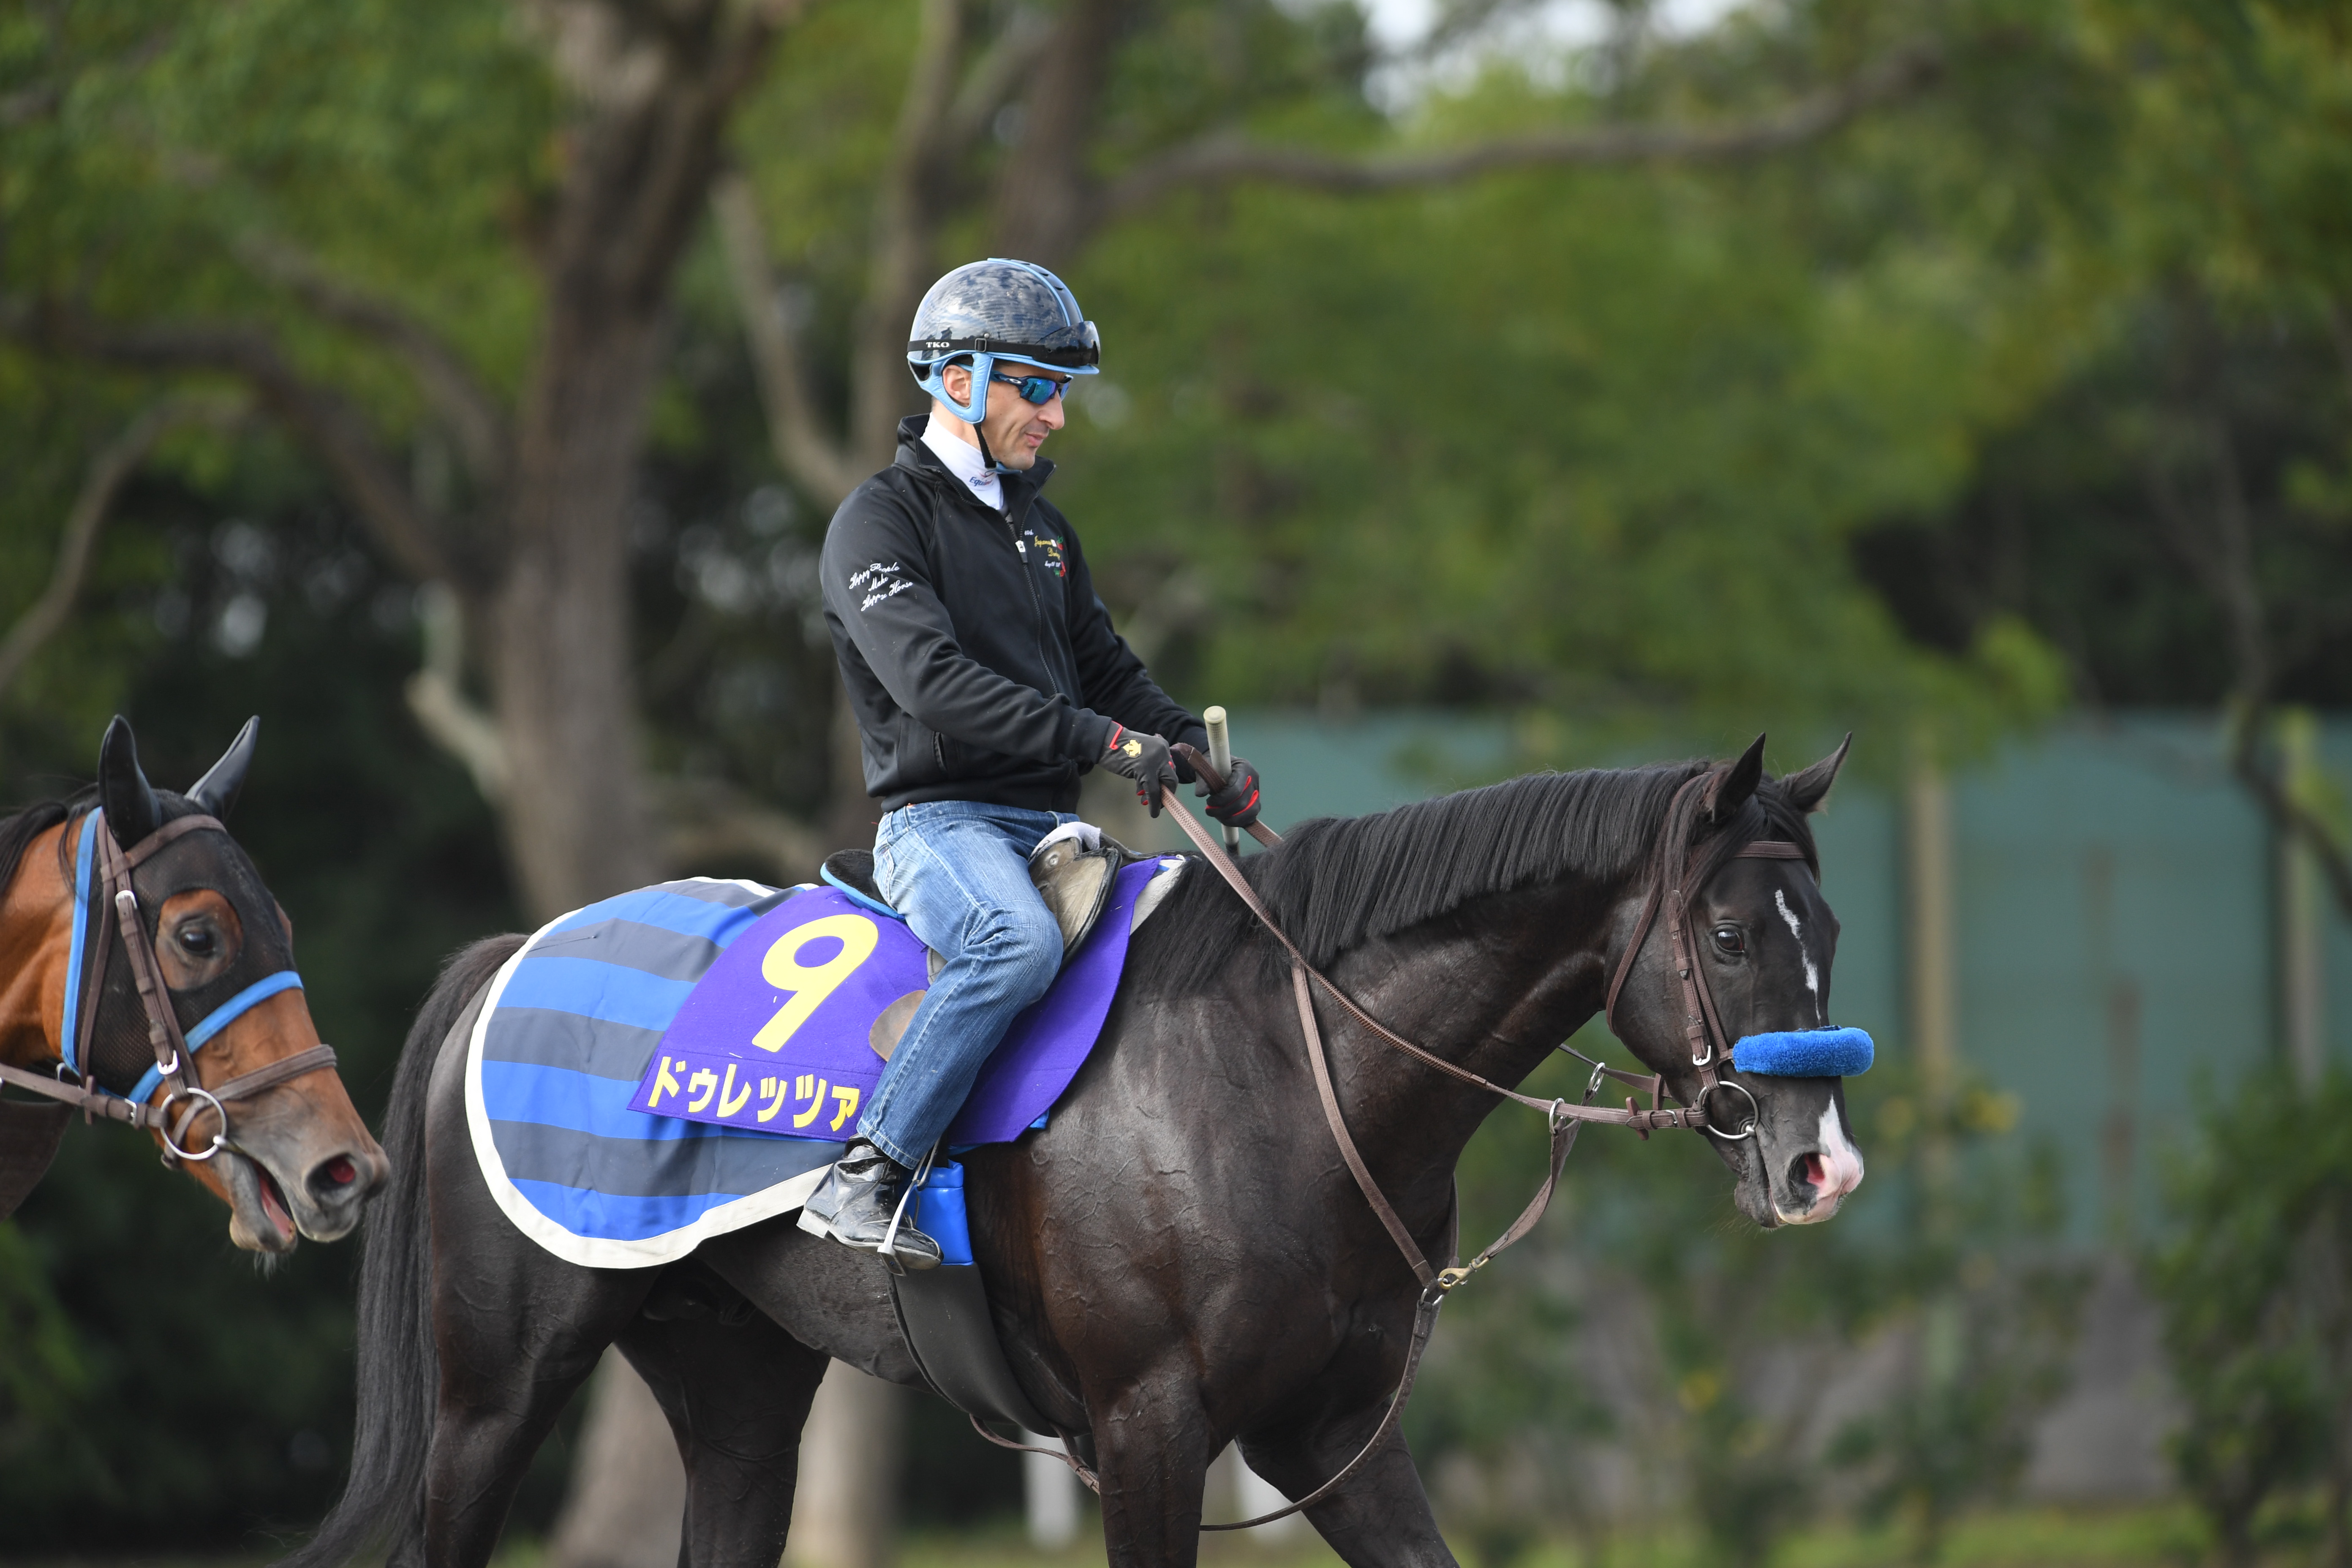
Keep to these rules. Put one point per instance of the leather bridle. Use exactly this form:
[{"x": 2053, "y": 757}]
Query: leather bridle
[
  {"x": 175, "y": 1068},
  {"x": 1679, "y": 869}
]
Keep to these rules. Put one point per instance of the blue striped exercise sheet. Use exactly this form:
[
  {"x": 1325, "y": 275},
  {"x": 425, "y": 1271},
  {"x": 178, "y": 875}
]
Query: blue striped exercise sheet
[{"x": 568, "y": 1028}]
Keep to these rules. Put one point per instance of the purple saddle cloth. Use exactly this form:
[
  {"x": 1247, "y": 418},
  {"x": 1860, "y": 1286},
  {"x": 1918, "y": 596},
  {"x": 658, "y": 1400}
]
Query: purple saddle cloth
[{"x": 784, "y": 1034}]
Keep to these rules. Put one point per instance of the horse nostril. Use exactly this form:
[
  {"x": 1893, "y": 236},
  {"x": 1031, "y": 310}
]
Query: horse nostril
[
  {"x": 1810, "y": 1169},
  {"x": 333, "y": 1179}
]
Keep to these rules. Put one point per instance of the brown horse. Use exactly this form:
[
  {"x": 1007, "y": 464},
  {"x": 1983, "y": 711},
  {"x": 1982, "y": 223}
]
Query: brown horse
[{"x": 146, "y": 976}]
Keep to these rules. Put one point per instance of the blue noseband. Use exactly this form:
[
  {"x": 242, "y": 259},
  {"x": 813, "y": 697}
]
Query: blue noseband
[{"x": 1804, "y": 1053}]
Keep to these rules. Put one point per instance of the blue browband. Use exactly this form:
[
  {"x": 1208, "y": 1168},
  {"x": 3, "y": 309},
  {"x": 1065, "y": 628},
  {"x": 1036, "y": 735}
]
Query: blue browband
[
  {"x": 1804, "y": 1053},
  {"x": 77, "y": 962}
]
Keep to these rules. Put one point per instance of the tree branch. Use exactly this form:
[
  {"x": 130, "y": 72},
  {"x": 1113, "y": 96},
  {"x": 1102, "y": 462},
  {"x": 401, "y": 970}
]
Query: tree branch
[
  {"x": 2287, "y": 816},
  {"x": 996, "y": 76},
  {"x": 708, "y": 822},
  {"x": 681, "y": 146},
  {"x": 906, "y": 217},
  {"x": 466, "y": 406},
  {"x": 436, "y": 697},
  {"x": 803, "y": 451},
  {"x": 2217, "y": 546},
  {"x": 1224, "y": 160},
  {"x": 107, "y": 472},
  {"x": 1045, "y": 196},
  {"x": 319, "y": 418}
]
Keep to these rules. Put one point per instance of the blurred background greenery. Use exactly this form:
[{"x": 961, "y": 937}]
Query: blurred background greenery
[{"x": 463, "y": 386}]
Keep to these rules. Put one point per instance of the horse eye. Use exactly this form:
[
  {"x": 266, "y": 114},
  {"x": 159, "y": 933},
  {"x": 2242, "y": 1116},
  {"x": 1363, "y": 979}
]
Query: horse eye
[
  {"x": 198, "y": 940},
  {"x": 1730, "y": 939}
]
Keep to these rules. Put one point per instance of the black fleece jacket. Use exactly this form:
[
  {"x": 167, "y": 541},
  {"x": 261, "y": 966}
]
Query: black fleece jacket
[{"x": 979, "y": 660}]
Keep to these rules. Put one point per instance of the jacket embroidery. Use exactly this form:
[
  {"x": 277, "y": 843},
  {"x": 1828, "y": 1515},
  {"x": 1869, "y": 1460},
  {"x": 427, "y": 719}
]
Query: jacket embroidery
[{"x": 877, "y": 583}]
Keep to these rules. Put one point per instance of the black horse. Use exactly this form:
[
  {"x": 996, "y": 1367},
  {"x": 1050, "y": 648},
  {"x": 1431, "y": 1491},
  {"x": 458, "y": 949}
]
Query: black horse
[{"x": 1180, "y": 1258}]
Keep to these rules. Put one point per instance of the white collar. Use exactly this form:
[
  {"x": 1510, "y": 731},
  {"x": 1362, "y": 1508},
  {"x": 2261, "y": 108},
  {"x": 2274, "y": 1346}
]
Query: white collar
[{"x": 964, "y": 461}]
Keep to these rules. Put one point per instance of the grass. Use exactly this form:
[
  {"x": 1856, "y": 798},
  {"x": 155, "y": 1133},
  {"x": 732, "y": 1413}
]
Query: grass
[
  {"x": 2166, "y": 1535},
  {"x": 2160, "y": 1536}
]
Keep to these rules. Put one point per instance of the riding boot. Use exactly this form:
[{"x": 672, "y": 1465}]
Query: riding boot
[{"x": 856, "y": 1200}]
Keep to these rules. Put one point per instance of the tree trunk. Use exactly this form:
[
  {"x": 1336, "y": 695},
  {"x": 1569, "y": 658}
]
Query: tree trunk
[
  {"x": 849, "y": 1482},
  {"x": 1045, "y": 196},
  {"x": 641, "y": 159},
  {"x": 609, "y": 1525},
  {"x": 558, "y": 641}
]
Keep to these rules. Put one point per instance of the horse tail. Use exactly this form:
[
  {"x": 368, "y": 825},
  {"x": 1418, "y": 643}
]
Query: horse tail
[{"x": 383, "y": 1503}]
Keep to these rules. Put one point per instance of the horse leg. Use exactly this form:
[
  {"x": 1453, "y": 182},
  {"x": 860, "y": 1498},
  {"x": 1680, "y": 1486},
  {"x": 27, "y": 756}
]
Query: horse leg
[
  {"x": 737, "y": 1397},
  {"x": 516, "y": 1331},
  {"x": 515, "y": 1344},
  {"x": 1154, "y": 1447},
  {"x": 1380, "y": 1519}
]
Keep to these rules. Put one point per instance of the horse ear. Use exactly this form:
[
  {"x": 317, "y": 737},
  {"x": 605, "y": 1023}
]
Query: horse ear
[
  {"x": 131, "y": 812},
  {"x": 1806, "y": 790},
  {"x": 214, "y": 795},
  {"x": 1728, "y": 790}
]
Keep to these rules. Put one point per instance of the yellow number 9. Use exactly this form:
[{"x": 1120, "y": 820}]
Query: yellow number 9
[{"x": 811, "y": 984}]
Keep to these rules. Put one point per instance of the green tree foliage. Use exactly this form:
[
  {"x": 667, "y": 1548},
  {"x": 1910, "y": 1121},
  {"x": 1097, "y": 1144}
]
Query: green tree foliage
[
  {"x": 2174, "y": 514},
  {"x": 1990, "y": 1303},
  {"x": 43, "y": 1373},
  {"x": 1593, "y": 442},
  {"x": 2255, "y": 1280}
]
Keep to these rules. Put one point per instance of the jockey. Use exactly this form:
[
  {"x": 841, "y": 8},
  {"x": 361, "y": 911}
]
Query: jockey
[{"x": 985, "y": 678}]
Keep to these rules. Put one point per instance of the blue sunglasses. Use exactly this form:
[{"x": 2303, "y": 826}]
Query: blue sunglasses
[{"x": 1038, "y": 389}]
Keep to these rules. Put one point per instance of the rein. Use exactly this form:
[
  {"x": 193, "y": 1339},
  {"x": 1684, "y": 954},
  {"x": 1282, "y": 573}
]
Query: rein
[
  {"x": 175, "y": 1070},
  {"x": 1677, "y": 866}
]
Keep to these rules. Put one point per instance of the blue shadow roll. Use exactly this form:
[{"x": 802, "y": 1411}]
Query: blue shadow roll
[{"x": 1804, "y": 1053}]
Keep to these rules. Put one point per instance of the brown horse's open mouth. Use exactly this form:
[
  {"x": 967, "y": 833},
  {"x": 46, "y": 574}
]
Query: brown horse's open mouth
[{"x": 263, "y": 1222}]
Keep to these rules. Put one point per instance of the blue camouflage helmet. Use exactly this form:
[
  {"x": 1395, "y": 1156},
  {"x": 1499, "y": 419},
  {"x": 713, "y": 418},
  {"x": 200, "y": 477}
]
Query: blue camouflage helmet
[{"x": 998, "y": 309}]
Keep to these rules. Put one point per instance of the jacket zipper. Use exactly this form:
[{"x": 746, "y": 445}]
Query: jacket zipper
[{"x": 1036, "y": 605}]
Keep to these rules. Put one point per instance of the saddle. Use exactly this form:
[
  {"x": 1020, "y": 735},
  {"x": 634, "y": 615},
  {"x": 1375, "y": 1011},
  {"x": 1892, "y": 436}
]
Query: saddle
[
  {"x": 1071, "y": 871},
  {"x": 943, "y": 1312}
]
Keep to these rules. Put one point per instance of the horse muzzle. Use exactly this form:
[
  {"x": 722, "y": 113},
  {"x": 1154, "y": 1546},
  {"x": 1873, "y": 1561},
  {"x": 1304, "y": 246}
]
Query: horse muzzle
[{"x": 272, "y": 1207}]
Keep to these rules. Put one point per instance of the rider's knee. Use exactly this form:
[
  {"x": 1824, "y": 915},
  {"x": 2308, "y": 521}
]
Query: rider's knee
[{"x": 1027, "y": 942}]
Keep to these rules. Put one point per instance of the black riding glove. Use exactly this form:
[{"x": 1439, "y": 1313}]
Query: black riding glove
[
  {"x": 1143, "y": 758},
  {"x": 1236, "y": 805}
]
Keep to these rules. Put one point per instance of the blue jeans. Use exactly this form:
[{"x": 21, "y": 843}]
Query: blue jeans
[{"x": 959, "y": 871}]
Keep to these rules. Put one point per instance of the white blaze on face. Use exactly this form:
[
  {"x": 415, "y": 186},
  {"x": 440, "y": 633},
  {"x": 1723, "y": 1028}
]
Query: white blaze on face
[
  {"x": 1812, "y": 972},
  {"x": 1841, "y": 1161},
  {"x": 1834, "y": 1169}
]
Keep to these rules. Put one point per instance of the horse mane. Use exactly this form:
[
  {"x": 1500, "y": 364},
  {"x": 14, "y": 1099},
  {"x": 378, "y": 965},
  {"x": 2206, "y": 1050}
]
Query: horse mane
[
  {"x": 1334, "y": 883},
  {"x": 17, "y": 832}
]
